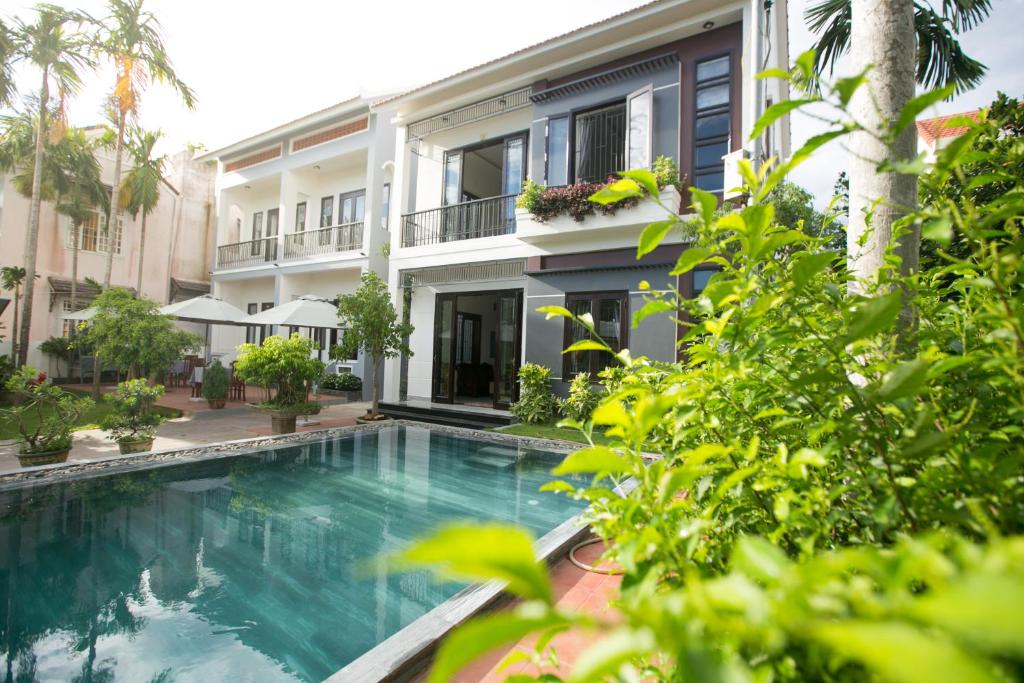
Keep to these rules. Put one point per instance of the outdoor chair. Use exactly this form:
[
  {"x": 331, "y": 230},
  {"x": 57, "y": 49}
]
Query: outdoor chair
[{"x": 236, "y": 387}]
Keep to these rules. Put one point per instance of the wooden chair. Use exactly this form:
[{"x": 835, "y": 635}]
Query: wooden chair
[{"x": 236, "y": 387}]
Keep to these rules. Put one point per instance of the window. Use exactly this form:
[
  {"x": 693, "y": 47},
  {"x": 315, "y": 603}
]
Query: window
[
  {"x": 251, "y": 331},
  {"x": 257, "y": 234},
  {"x": 273, "y": 221},
  {"x": 67, "y": 326},
  {"x": 88, "y": 233},
  {"x": 701, "y": 279},
  {"x": 326, "y": 212},
  {"x": 385, "y": 205},
  {"x": 102, "y": 241},
  {"x": 609, "y": 311},
  {"x": 300, "y": 217},
  {"x": 557, "y": 151},
  {"x": 711, "y": 124},
  {"x": 599, "y": 143},
  {"x": 352, "y": 207},
  {"x": 640, "y": 114}
]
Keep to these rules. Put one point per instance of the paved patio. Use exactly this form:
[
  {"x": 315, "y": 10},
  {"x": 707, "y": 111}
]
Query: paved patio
[
  {"x": 199, "y": 425},
  {"x": 576, "y": 590}
]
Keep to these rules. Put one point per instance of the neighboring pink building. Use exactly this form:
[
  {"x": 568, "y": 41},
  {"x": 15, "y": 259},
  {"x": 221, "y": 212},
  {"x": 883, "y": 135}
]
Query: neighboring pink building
[
  {"x": 935, "y": 133},
  {"x": 178, "y": 256}
]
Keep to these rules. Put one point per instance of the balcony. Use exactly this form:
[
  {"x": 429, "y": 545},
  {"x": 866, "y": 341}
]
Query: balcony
[
  {"x": 325, "y": 241},
  {"x": 468, "y": 220},
  {"x": 251, "y": 253},
  {"x": 626, "y": 223}
]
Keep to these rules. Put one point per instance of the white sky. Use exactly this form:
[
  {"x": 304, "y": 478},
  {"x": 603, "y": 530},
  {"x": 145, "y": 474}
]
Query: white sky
[{"x": 255, "y": 65}]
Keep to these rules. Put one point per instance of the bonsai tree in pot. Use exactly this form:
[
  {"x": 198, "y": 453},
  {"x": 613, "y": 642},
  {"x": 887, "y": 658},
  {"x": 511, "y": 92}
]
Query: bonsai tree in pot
[
  {"x": 215, "y": 385},
  {"x": 372, "y": 325},
  {"x": 45, "y": 415},
  {"x": 286, "y": 369},
  {"x": 133, "y": 423}
]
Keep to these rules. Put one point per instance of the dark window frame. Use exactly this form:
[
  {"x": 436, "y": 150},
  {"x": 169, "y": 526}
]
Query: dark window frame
[
  {"x": 717, "y": 110},
  {"x": 276, "y": 213},
  {"x": 574, "y": 114},
  {"x": 567, "y": 117},
  {"x": 489, "y": 142},
  {"x": 257, "y": 217},
  {"x": 593, "y": 357},
  {"x": 353, "y": 195},
  {"x": 300, "y": 212},
  {"x": 385, "y": 206},
  {"x": 330, "y": 214}
]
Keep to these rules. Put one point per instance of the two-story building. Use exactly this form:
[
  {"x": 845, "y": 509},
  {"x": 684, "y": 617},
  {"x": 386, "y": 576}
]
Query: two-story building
[
  {"x": 469, "y": 270},
  {"x": 302, "y": 209}
]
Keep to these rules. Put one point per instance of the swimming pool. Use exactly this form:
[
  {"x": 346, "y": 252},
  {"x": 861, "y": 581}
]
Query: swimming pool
[{"x": 248, "y": 567}]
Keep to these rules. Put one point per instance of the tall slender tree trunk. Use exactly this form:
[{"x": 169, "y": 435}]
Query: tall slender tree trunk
[
  {"x": 142, "y": 253},
  {"x": 375, "y": 404},
  {"x": 115, "y": 198},
  {"x": 32, "y": 239},
  {"x": 882, "y": 36},
  {"x": 16, "y": 331},
  {"x": 75, "y": 229}
]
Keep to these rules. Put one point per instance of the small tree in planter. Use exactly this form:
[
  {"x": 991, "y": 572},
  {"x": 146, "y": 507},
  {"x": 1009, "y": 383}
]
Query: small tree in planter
[
  {"x": 286, "y": 368},
  {"x": 215, "y": 385},
  {"x": 133, "y": 423},
  {"x": 372, "y": 325},
  {"x": 45, "y": 415}
]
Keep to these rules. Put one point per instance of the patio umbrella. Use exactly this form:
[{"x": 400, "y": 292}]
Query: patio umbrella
[
  {"x": 82, "y": 315},
  {"x": 306, "y": 311},
  {"x": 205, "y": 309}
]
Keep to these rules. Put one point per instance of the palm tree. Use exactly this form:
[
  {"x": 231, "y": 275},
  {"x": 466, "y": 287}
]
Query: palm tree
[
  {"x": 6, "y": 66},
  {"x": 940, "y": 61},
  {"x": 58, "y": 54},
  {"x": 133, "y": 42},
  {"x": 141, "y": 186},
  {"x": 83, "y": 191},
  {"x": 12, "y": 278}
]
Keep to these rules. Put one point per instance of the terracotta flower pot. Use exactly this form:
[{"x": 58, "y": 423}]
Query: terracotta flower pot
[
  {"x": 43, "y": 458},
  {"x": 135, "y": 446},
  {"x": 282, "y": 423},
  {"x": 216, "y": 403},
  {"x": 368, "y": 420}
]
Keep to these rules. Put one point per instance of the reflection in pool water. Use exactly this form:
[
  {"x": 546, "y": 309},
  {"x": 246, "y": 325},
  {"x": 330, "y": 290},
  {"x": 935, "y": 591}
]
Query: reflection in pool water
[{"x": 251, "y": 567}]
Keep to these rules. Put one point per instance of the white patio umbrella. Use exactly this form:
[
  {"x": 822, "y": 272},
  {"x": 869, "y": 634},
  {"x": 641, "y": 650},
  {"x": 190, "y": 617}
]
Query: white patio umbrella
[
  {"x": 306, "y": 311},
  {"x": 206, "y": 309},
  {"x": 82, "y": 315}
]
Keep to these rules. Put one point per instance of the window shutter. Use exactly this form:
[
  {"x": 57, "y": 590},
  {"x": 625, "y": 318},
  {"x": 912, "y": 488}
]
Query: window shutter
[{"x": 639, "y": 128}]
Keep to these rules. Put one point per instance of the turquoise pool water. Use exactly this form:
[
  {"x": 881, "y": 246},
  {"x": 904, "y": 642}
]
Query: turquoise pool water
[{"x": 247, "y": 568}]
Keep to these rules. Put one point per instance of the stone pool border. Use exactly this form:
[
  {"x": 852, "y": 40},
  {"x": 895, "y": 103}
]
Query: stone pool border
[{"x": 407, "y": 652}]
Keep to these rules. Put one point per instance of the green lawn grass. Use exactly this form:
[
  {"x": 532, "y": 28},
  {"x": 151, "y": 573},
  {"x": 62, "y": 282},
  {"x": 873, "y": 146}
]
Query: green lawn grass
[
  {"x": 90, "y": 419},
  {"x": 550, "y": 431}
]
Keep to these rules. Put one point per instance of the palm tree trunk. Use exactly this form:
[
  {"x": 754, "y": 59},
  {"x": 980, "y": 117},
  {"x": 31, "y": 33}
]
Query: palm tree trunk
[
  {"x": 16, "y": 330},
  {"x": 142, "y": 252},
  {"x": 882, "y": 35},
  {"x": 74, "y": 266},
  {"x": 32, "y": 240},
  {"x": 115, "y": 198}
]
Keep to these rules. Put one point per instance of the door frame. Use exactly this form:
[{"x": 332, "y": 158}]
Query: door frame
[{"x": 435, "y": 369}]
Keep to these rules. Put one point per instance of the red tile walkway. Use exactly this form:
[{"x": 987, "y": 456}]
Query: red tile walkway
[{"x": 575, "y": 589}]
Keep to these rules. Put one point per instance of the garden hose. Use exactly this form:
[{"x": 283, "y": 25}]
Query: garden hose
[{"x": 587, "y": 567}]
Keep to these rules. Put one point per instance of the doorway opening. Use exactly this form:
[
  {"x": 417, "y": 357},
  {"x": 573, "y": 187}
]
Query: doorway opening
[{"x": 477, "y": 340}]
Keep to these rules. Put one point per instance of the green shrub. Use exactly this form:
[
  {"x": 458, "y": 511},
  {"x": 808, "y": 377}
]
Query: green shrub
[
  {"x": 60, "y": 349},
  {"x": 133, "y": 418},
  {"x": 666, "y": 172},
  {"x": 344, "y": 381},
  {"x": 215, "y": 382},
  {"x": 43, "y": 413},
  {"x": 582, "y": 399},
  {"x": 839, "y": 494},
  {"x": 536, "y": 401},
  {"x": 284, "y": 366}
]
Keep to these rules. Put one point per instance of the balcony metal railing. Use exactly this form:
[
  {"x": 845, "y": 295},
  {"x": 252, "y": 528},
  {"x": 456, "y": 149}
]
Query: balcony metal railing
[
  {"x": 337, "y": 238},
  {"x": 249, "y": 253},
  {"x": 468, "y": 220}
]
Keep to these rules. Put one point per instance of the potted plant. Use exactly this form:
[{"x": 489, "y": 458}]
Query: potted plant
[
  {"x": 285, "y": 368},
  {"x": 45, "y": 415},
  {"x": 215, "y": 385},
  {"x": 372, "y": 325},
  {"x": 133, "y": 423},
  {"x": 348, "y": 385}
]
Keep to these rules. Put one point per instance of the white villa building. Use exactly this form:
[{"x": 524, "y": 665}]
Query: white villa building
[
  {"x": 302, "y": 210},
  {"x": 420, "y": 187}
]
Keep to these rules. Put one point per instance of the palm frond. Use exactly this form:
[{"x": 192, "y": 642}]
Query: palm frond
[
  {"x": 830, "y": 20},
  {"x": 941, "y": 60},
  {"x": 963, "y": 15}
]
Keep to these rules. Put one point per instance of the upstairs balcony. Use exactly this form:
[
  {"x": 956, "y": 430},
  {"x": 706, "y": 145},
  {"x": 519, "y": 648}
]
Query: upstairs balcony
[
  {"x": 467, "y": 220},
  {"x": 250, "y": 253},
  {"x": 325, "y": 241}
]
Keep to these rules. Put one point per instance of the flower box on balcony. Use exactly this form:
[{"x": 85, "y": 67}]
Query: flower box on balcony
[{"x": 626, "y": 219}]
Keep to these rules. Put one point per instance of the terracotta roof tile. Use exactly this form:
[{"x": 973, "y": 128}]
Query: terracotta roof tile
[{"x": 932, "y": 129}]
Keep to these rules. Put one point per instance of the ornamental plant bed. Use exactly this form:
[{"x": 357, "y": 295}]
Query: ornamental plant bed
[{"x": 44, "y": 415}]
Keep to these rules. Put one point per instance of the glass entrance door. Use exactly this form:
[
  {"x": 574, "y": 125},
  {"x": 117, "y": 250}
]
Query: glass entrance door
[
  {"x": 509, "y": 336},
  {"x": 444, "y": 349}
]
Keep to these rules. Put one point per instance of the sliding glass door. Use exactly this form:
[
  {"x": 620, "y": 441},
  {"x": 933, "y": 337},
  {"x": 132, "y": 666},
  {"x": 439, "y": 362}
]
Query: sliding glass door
[{"x": 509, "y": 334}]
